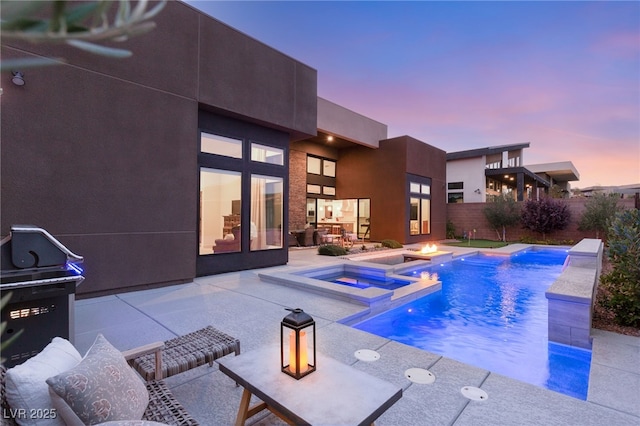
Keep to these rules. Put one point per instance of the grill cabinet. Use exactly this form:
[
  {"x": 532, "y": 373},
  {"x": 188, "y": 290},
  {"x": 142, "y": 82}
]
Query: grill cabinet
[{"x": 42, "y": 275}]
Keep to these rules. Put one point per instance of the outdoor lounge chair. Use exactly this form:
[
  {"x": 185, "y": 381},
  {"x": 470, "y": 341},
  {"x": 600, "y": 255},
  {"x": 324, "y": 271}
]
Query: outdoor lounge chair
[
  {"x": 186, "y": 352},
  {"x": 162, "y": 407}
]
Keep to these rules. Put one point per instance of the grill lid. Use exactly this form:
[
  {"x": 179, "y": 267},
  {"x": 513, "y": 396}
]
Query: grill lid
[{"x": 32, "y": 254}]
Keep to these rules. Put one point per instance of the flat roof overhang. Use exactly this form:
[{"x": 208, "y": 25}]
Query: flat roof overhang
[
  {"x": 563, "y": 171},
  {"x": 479, "y": 152},
  {"x": 505, "y": 176}
]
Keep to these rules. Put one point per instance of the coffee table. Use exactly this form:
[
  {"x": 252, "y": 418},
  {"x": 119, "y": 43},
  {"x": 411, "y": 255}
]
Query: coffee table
[{"x": 334, "y": 394}]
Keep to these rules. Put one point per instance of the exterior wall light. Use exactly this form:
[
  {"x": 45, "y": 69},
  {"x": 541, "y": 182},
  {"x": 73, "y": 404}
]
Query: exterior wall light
[
  {"x": 298, "y": 344},
  {"x": 18, "y": 78}
]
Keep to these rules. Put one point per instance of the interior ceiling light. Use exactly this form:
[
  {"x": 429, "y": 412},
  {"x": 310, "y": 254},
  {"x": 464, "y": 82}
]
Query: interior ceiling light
[
  {"x": 18, "y": 78},
  {"x": 330, "y": 138}
]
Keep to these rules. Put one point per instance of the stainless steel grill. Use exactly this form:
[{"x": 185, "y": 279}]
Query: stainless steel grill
[{"x": 42, "y": 276}]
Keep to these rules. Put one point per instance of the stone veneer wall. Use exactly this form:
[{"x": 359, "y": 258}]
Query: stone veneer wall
[
  {"x": 469, "y": 216},
  {"x": 297, "y": 189}
]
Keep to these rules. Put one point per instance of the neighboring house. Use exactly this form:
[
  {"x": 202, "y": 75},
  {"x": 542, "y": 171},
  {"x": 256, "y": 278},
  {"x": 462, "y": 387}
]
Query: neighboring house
[
  {"x": 560, "y": 173},
  {"x": 625, "y": 191},
  {"x": 479, "y": 175},
  {"x": 197, "y": 155}
]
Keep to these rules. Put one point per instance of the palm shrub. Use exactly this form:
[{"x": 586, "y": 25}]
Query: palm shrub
[
  {"x": 622, "y": 284},
  {"x": 391, "y": 244},
  {"x": 598, "y": 214},
  {"x": 545, "y": 215},
  {"x": 331, "y": 250},
  {"x": 502, "y": 213}
]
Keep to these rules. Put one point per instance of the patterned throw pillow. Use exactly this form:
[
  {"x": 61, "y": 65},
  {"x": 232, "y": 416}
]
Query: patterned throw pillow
[{"x": 102, "y": 387}]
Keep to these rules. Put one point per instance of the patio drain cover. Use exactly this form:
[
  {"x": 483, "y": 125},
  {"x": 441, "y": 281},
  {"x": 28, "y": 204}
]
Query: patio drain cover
[
  {"x": 474, "y": 394},
  {"x": 367, "y": 355},
  {"x": 420, "y": 375}
]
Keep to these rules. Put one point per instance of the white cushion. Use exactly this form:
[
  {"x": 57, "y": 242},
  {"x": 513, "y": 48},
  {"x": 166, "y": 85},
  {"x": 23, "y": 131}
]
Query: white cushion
[{"x": 26, "y": 386}]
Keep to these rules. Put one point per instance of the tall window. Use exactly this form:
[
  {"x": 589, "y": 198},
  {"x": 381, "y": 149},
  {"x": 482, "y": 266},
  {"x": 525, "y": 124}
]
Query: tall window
[
  {"x": 220, "y": 203},
  {"x": 243, "y": 170},
  {"x": 223, "y": 226},
  {"x": 266, "y": 212},
  {"x": 419, "y": 205}
]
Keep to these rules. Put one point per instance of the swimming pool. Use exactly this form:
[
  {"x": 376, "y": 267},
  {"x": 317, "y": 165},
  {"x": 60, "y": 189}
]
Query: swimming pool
[{"x": 492, "y": 313}]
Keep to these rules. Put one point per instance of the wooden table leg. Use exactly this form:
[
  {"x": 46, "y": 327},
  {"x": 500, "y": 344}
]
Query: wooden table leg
[{"x": 243, "y": 411}]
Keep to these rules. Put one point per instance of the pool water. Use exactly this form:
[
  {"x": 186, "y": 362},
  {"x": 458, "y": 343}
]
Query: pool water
[
  {"x": 359, "y": 281},
  {"x": 492, "y": 313}
]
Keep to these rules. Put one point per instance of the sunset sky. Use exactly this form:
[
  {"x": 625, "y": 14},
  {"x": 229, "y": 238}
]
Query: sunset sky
[{"x": 564, "y": 76}]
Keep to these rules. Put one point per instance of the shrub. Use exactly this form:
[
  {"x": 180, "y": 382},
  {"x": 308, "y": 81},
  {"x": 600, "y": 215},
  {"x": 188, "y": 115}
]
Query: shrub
[
  {"x": 451, "y": 230},
  {"x": 331, "y": 250},
  {"x": 391, "y": 244},
  {"x": 622, "y": 284},
  {"x": 598, "y": 214},
  {"x": 502, "y": 213},
  {"x": 545, "y": 215}
]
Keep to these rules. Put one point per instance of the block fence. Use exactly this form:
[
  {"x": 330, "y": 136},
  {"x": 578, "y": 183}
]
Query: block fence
[{"x": 469, "y": 216}]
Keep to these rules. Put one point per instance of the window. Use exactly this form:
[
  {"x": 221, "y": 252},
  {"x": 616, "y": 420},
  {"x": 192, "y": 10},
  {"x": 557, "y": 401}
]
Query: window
[
  {"x": 321, "y": 166},
  {"x": 329, "y": 168},
  {"x": 267, "y": 154},
  {"x": 314, "y": 189},
  {"x": 420, "y": 206},
  {"x": 243, "y": 178},
  {"x": 220, "y": 145},
  {"x": 414, "y": 224},
  {"x": 314, "y": 165},
  {"x": 455, "y": 197},
  {"x": 220, "y": 195},
  {"x": 266, "y": 212},
  {"x": 321, "y": 176},
  {"x": 455, "y": 185},
  {"x": 329, "y": 190},
  {"x": 425, "y": 216}
]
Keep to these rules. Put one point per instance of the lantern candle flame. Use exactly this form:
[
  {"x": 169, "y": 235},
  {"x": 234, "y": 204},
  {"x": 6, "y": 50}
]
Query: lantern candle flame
[{"x": 304, "y": 354}]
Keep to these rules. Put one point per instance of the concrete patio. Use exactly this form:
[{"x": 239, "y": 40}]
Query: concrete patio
[{"x": 251, "y": 310}]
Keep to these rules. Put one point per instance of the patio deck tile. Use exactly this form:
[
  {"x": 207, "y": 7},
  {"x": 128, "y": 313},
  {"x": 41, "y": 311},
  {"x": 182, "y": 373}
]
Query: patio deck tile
[
  {"x": 514, "y": 402},
  {"x": 251, "y": 310}
]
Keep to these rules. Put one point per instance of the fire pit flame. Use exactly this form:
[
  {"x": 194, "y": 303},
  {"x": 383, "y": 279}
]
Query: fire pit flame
[{"x": 429, "y": 248}]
